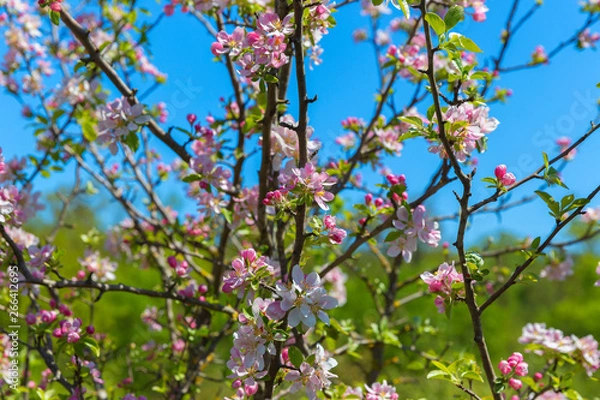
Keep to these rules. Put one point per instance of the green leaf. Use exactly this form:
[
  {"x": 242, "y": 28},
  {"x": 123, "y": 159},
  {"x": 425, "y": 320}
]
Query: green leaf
[
  {"x": 472, "y": 375},
  {"x": 192, "y": 178},
  {"x": 89, "y": 133},
  {"x": 132, "y": 140},
  {"x": 91, "y": 344},
  {"x": 441, "y": 366},
  {"x": 412, "y": 120},
  {"x": 377, "y": 2},
  {"x": 227, "y": 214},
  {"x": 454, "y": 15},
  {"x": 271, "y": 78},
  {"x": 403, "y": 4},
  {"x": 392, "y": 236},
  {"x": 438, "y": 374},
  {"x": 296, "y": 356},
  {"x": 436, "y": 22},
  {"x": 55, "y": 17},
  {"x": 464, "y": 42},
  {"x": 546, "y": 197},
  {"x": 470, "y": 45}
]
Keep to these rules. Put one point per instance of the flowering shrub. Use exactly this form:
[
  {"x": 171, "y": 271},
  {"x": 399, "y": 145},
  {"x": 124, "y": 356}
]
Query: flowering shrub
[{"x": 246, "y": 251}]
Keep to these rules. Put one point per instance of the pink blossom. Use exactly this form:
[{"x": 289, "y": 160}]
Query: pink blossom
[
  {"x": 558, "y": 270},
  {"x": 305, "y": 299},
  {"x": 381, "y": 391},
  {"x": 504, "y": 367},
  {"x": 587, "y": 39},
  {"x": 413, "y": 227},
  {"x": 245, "y": 269},
  {"x": 515, "y": 383},
  {"x": 313, "y": 377}
]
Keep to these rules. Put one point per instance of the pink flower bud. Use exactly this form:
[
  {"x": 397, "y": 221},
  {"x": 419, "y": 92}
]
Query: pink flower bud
[
  {"x": 251, "y": 389},
  {"x": 285, "y": 354},
  {"x": 216, "y": 48},
  {"x": 90, "y": 329},
  {"x": 172, "y": 261},
  {"x": 30, "y": 319},
  {"x": 236, "y": 384},
  {"x": 57, "y": 332},
  {"x": 378, "y": 202},
  {"x": 191, "y": 118},
  {"x": 169, "y": 9},
  {"x": 500, "y": 171},
  {"x": 521, "y": 369},
  {"x": 508, "y": 179},
  {"x": 329, "y": 222},
  {"x": 55, "y": 6},
  {"x": 392, "y": 179},
  {"x": 64, "y": 310},
  {"x": 515, "y": 383},
  {"x": 368, "y": 199},
  {"x": 538, "y": 376},
  {"x": 515, "y": 358},
  {"x": 504, "y": 367}
]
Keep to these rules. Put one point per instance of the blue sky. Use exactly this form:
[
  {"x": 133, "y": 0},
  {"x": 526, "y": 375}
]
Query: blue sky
[{"x": 551, "y": 101}]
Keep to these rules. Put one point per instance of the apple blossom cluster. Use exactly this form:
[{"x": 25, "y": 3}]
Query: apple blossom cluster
[
  {"x": 514, "y": 366},
  {"x": 313, "y": 377},
  {"x": 380, "y": 391},
  {"x": 69, "y": 329},
  {"x": 316, "y": 23},
  {"x": 447, "y": 282},
  {"x": 117, "y": 120},
  {"x": 304, "y": 299},
  {"x": 251, "y": 342},
  {"x": 336, "y": 235},
  {"x": 284, "y": 141},
  {"x": 256, "y": 51},
  {"x": 552, "y": 343},
  {"x": 248, "y": 270},
  {"x": 210, "y": 173},
  {"x": 558, "y": 270},
  {"x": 587, "y": 39},
  {"x": 305, "y": 183},
  {"x": 478, "y": 6},
  {"x": 99, "y": 267},
  {"x": 467, "y": 127},
  {"x": 413, "y": 226}
]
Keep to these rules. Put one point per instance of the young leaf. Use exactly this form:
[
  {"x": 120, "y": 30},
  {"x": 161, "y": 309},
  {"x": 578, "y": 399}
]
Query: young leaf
[
  {"x": 436, "y": 22},
  {"x": 454, "y": 15},
  {"x": 403, "y": 4}
]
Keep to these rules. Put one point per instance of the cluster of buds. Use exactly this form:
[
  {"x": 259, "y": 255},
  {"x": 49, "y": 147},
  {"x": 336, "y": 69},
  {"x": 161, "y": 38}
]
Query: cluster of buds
[
  {"x": 514, "y": 366},
  {"x": 263, "y": 48}
]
